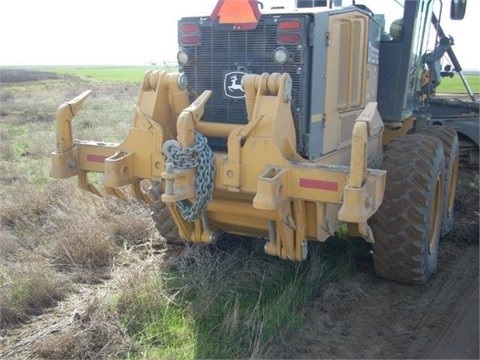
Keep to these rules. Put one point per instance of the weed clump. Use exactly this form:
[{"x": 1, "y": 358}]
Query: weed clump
[{"x": 27, "y": 291}]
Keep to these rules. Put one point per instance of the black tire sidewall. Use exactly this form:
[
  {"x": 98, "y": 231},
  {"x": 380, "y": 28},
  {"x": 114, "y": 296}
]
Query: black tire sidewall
[
  {"x": 450, "y": 142},
  {"x": 401, "y": 225}
]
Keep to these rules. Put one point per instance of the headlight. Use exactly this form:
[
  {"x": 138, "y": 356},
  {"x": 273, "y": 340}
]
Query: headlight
[
  {"x": 281, "y": 55},
  {"x": 182, "y": 81},
  {"x": 182, "y": 57}
]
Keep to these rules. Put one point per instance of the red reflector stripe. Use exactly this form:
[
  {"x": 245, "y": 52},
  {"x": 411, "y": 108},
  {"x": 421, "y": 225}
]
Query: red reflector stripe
[
  {"x": 96, "y": 158},
  {"x": 319, "y": 184}
]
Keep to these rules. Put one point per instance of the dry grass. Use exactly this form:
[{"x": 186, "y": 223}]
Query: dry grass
[
  {"x": 6, "y": 148},
  {"x": 55, "y": 236},
  {"x": 56, "y": 240},
  {"x": 94, "y": 334},
  {"x": 26, "y": 208},
  {"x": 94, "y": 329},
  {"x": 66, "y": 231},
  {"x": 27, "y": 290}
]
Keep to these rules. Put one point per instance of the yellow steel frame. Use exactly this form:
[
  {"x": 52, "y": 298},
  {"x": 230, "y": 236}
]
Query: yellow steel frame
[{"x": 262, "y": 186}]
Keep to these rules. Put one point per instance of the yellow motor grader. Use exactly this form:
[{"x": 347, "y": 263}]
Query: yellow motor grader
[{"x": 284, "y": 124}]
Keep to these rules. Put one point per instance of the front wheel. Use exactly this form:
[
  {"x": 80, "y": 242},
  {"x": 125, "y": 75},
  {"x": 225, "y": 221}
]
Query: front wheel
[{"x": 407, "y": 225}]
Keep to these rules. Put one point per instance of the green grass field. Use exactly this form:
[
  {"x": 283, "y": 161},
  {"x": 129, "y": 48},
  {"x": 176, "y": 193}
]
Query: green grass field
[
  {"x": 132, "y": 73},
  {"x": 455, "y": 84},
  {"x": 111, "y": 73}
]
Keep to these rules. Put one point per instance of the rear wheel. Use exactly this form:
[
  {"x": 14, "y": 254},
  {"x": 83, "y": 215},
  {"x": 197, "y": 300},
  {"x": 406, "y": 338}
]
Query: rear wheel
[
  {"x": 407, "y": 225},
  {"x": 161, "y": 216},
  {"x": 449, "y": 140}
]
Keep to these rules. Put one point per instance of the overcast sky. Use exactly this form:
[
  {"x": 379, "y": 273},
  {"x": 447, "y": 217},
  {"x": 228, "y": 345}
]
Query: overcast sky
[{"x": 97, "y": 32}]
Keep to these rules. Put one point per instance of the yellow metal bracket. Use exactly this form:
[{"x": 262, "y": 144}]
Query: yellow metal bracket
[
  {"x": 139, "y": 156},
  {"x": 361, "y": 198},
  {"x": 231, "y": 169},
  {"x": 119, "y": 169},
  {"x": 287, "y": 234},
  {"x": 267, "y": 99},
  {"x": 64, "y": 158},
  {"x": 271, "y": 189}
]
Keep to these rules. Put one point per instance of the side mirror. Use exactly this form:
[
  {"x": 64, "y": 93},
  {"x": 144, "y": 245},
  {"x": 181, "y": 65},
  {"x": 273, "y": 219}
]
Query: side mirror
[{"x": 457, "y": 9}]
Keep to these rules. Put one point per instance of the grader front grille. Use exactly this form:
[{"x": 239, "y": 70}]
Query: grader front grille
[{"x": 223, "y": 54}]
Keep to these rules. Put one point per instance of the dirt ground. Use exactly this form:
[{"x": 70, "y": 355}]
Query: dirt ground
[
  {"x": 365, "y": 317},
  {"x": 361, "y": 316}
]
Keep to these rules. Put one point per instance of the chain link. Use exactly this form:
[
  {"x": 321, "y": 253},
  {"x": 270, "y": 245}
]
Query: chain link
[{"x": 200, "y": 156}]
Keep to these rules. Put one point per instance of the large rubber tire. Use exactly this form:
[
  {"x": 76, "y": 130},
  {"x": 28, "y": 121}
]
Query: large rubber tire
[
  {"x": 161, "y": 216},
  {"x": 449, "y": 139},
  {"x": 407, "y": 225}
]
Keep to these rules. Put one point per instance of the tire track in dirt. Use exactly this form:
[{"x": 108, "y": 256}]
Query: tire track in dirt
[
  {"x": 365, "y": 317},
  {"x": 454, "y": 311}
]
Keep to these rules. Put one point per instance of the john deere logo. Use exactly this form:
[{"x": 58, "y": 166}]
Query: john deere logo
[{"x": 232, "y": 84}]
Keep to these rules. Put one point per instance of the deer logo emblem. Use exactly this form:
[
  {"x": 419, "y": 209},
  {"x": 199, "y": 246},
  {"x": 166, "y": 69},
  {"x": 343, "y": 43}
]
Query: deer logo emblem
[{"x": 232, "y": 85}]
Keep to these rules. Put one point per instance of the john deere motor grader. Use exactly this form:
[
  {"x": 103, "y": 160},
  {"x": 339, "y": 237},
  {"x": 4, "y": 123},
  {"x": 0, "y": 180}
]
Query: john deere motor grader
[{"x": 284, "y": 125}]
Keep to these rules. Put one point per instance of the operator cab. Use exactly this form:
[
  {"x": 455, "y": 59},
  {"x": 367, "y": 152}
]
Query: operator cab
[{"x": 411, "y": 48}]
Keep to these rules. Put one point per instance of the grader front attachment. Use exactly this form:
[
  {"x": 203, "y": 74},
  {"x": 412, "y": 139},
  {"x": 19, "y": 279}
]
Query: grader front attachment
[
  {"x": 259, "y": 186},
  {"x": 138, "y": 157}
]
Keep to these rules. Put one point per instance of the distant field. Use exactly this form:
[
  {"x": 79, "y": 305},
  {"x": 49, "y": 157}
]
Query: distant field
[
  {"x": 455, "y": 84},
  {"x": 114, "y": 73},
  {"x": 448, "y": 85},
  {"x": 136, "y": 73}
]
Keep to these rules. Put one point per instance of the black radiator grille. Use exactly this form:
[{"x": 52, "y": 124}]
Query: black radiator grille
[{"x": 250, "y": 51}]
